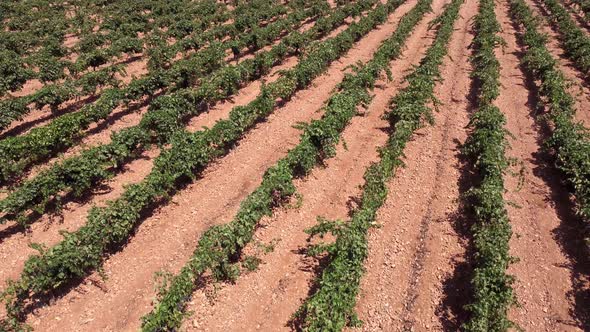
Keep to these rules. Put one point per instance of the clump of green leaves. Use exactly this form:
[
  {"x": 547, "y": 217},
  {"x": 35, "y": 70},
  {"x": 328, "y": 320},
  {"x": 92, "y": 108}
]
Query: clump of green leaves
[
  {"x": 491, "y": 287},
  {"x": 569, "y": 140}
]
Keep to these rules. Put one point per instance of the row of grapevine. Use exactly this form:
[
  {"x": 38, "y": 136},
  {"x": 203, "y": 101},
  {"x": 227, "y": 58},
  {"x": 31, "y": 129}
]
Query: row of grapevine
[
  {"x": 218, "y": 247},
  {"x": 56, "y": 94},
  {"x": 26, "y": 16},
  {"x": 584, "y": 6},
  {"x": 570, "y": 141},
  {"x": 109, "y": 227},
  {"x": 91, "y": 50},
  {"x": 124, "y": 24},
  {"x": 575, "y": 42},
  {"x": 98, "y": 48},
  {"x": 20, "y": 152},
  {"x": 25, "y": 27},
  {"x": 159, "y": 51},
  {"x": 331, "y": 306},
  {"x": 182, "y": 27},
  {"x": 160, "y": 54},
  {"x": 491, "y": 291},
  {"x": 79, "y": 174}
]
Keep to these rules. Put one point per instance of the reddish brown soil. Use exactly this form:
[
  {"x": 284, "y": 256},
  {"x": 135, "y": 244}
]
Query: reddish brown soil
[
  {"x": 418, "y": 269},
  {"x": 542, "y": 283},
  {"x": 580, "y": 87},
  {"x": 29, "y": 87},
  {"x": 135, "y": 69},
  {"x": 71, "y": 40}
]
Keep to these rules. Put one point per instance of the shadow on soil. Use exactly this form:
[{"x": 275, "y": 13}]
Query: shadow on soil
[
  {"x": 457, "y": 287},
  {"x": 585, "y": 79},
  {"x": 457, "y": 291},
  {"x": 570, "y": 233}
]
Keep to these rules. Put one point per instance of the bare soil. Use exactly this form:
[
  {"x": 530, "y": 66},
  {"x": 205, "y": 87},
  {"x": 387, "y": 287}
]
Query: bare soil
[{"x": 418, "y": 270}]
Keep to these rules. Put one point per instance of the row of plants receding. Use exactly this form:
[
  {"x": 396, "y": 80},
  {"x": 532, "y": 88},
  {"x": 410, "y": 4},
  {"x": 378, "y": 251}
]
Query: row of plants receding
[
  {"x": 97, "y": 48},
  {"x": 220, "y": 246},
  {"x": 491, "y": 288},
  {"x": 158, "y": 23},
  {"x": 20, "y": 152},
  {"x": 160, "y": 54},
  {"x": 17, "y": 16},
  {"x": 77, "y": 175},
  {"x": 576, "y": 42},
  {"x": 117, "y": 34},
  {"x": 331, "y": 306},
  {"x": 161, "y": 57},
  {"x": 56, "y": 94},
  {"x": 96, "y": 23},
  {"x": 584, "y": 6},
  {"x": 109, "y": 227},
  {"x": 24, "y": 29},
  {"x": 181, "y": 25},
  {"x": 569, "y": 140}
]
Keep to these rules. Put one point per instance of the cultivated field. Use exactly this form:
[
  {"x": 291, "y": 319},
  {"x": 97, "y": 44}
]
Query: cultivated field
[{"x": 308, "y": 165}]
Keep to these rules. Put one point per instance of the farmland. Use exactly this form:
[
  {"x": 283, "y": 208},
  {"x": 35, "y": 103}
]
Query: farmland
[{"x": 304, "y": 165}]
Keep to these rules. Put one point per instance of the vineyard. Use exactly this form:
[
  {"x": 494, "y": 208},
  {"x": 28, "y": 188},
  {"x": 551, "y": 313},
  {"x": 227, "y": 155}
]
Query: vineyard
[{"x": 301, "y": 165}]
